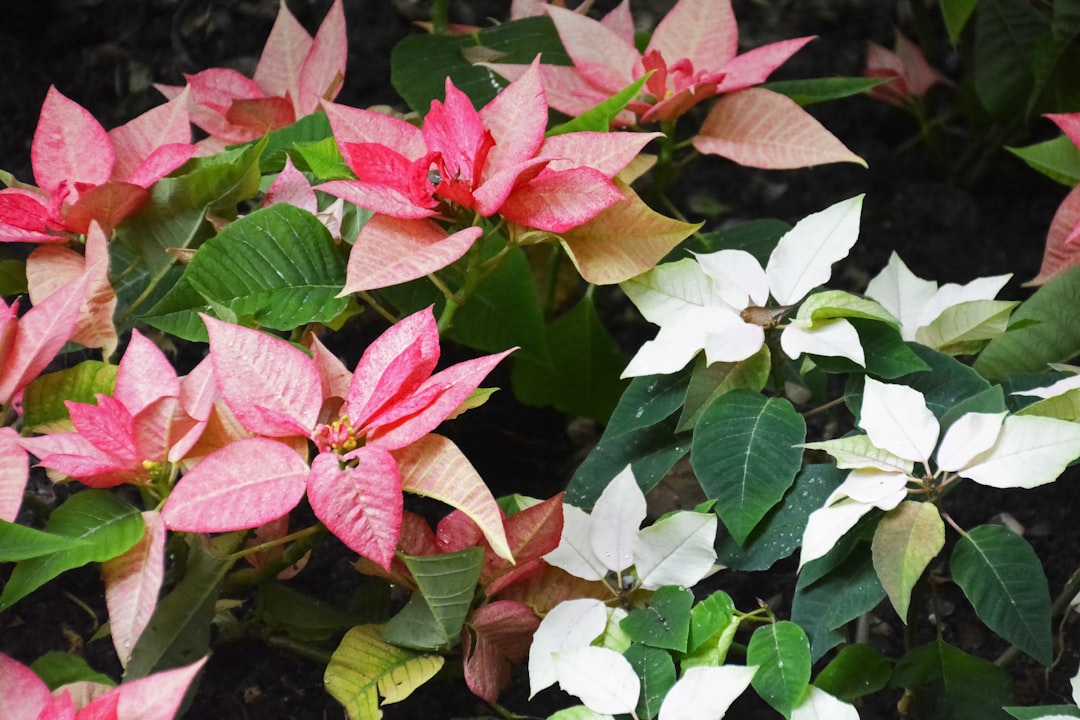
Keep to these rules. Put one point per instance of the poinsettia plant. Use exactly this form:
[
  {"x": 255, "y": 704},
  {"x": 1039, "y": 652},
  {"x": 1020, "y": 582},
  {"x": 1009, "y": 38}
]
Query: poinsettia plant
[{"x": 221, "y": 445}]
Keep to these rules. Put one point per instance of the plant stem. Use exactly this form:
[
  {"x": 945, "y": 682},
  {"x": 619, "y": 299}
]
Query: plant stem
[
  {"x": 284, "y": 642},
  {"x": 370, "y": 300},
  {"x": 440, "y": 17}
]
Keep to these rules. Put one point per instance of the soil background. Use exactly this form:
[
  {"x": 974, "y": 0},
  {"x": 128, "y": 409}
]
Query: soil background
[{"x": 106, "y": 53}]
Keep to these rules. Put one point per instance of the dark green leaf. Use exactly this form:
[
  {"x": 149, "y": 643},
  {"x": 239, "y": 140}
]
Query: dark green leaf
[
  {"x": 710, "y": 617},
  {"x": 956, "y": 14},
  {"x": 518, "y": 42},
  {"x": 781, "y": 530},
  {"x": 856, "y": 671},
  {"x": 744, "y": 456},
  {"x": 583, "y": 377},
  {"x": 1006, "y": 34},
  {"x": 1044, "y": 711},
  {"x": 179, "y": 630},
  {"x": 665, "y": 623},
  {"x": 1004, "y": 580},
  {"x": 657, "y": 672},
  {"x": 757, "y": 237},
  {"x": 445, "y": 585},
  {"x": 815, "y": 90},
  {"x": 710, "y": 381},
  {"x": 303, "y": 617},
  {"x": 782, "y": 653},
  {"x": 277, "y": 265},
  {"x": 947, "y": 684},
  {"x": 177, "y": 313},
  {"x": 102, "y": 527}
]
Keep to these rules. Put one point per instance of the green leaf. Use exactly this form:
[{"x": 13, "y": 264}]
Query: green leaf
[
  {"x": 12, "y": 277},
  {"x": 815, "y": 90},
  {"x": 744, "y": 456},
  {"x": 1062, "y": 407},
  {"x": 600, "y": 117},
  {"x": 887, "y": 355},
  {"x": 516, "y": 42},
  {"x": 504, "y": 311},
  {"x": 1006, "y": 34},
  {"x": 309, "y": 129},
  {"x": 657, "y": 672},
  {"x": 1058, "y": 159},
  {"x": 956, "y": 14},
  {"x": 43, "y": 401},
  {"x": 102, "y": 525},
  {"x": 665, "y": 623},
  {"x": 1054, "y": 336},
  {"x": 780, "y": 531},
  {"x": 1041, "y": 712},
  {"x": 179, "y": 629},
  {"x": 965, "y": 329},
  {"x": 709, "y": 382},
  {"x": 709, "y": 618},
  {"x": 583, "y": 377},
  {"x": 829, "y": 304},
  {"x": 949, "y": 382},
  {"x": 906, "y": 540},
  {"x": 782, "y": 653},
  {"x": 303, "y": 617},
  {"x": 177, "y": 313},
  {"x": 324, "y": 159},
  {"x": 1004, "y": 580},
  {"x": 364, "y": 666},
  {"x": 641, "y": 433},
  {"x": 435, "y": 613},
  {"x": 57, "y": 668},
  {"x": 18, "y": 542},
  {"x": 848, "y": 590},
  {"x": 948, "y": 684},
  {"x": 278, "y": 265},
  {"x": 856, "y": 671}
]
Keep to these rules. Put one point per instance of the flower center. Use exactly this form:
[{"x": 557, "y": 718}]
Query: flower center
[{"x": 339, "y": 436}]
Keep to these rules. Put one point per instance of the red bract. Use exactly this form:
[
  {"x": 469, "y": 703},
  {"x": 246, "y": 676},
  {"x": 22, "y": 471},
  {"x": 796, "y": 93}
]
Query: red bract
[
  {"x": 156, "y": 697},
  {"x": 463, "y": 163},
  {"x": 152, "y": 418},
  {"x": 86, "y": 174},
  {"x": 294, "y": 72},
  {"x": 377, "y": 441}
]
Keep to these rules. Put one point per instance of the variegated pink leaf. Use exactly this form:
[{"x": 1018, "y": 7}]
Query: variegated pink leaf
[
  {"x": 156, "y": 697},
  {"x": 599, "y": 54},
  {"x": 702, "y": 31},
  {"x": 14, "y": 471},
  {"x": 393, "y": 366},
  {"x": 324, "y": 67},
  {"x": 608, "y": 152},
  {"x": 361, "y": 504},
  {"x": 159, "y": 427},
  {"x": 39, "y": 335},
  {"x": 167, "y": 125},
  {"x": 755, "y": 66},
  {"x": 25, "y": 695},
  {"x": 1060, "y": 253},
  {"x": 50, "y": 267},
  {"x": 271, "y": 386},
  {"x": 618, "y": 21},
  {"x": 73, "y": 455},
  {"x": 107, "y": 425},
  {"x": 212, "y": 93},
  {"x": 283, "y": 55},
  {"x": 132, "y": 583},
  {"x": 243, "y": 485},
  {"x": 559, "y": 200},
  {"x": 292, "y": 188},
  {"x": 516, "y": 118},
  {"x": 69, "y": 145},
  {"x": 334, "y": 375},
  {"x": 439, "y": 396},
  {"x": 435, "y": 467},
  {"x": 390, "y": 251},
  {"x": 763, "y": 129},
  {"x": 353, "y": 125},
  {"x": 144, "y": 374},
  {"x": 25, "y": 217},
  {"x": 1069, "y": 124}
]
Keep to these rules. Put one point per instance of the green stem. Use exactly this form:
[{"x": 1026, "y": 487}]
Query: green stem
[
  {"x": 440, "y": 17},
  {"x": 303, "y": 650},
  {"x": 370, "y": 300},
  {"x": 283, "y": 540}
]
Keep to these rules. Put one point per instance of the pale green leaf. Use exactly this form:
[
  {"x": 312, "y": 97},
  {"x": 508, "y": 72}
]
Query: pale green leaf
[
  {"x": 960, "y": 328},
  {"x": 1061, "y": 407},
  {"x": 857, "y": 451},
  {"x": 829, "y": 304},
  {"x": 906, "y": 540},
  {"x": 43, "y": 401},
  {"x": 363, "y": 667}
]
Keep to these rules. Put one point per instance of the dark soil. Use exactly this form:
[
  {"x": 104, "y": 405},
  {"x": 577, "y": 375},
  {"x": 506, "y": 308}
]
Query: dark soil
[{"x": 105, "y": 53}]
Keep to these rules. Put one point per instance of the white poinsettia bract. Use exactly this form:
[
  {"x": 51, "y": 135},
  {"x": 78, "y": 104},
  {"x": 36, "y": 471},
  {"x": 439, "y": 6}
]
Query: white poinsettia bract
[
  {"x": 719, "y": 302},
  {"x": 903, "y": 446}
]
